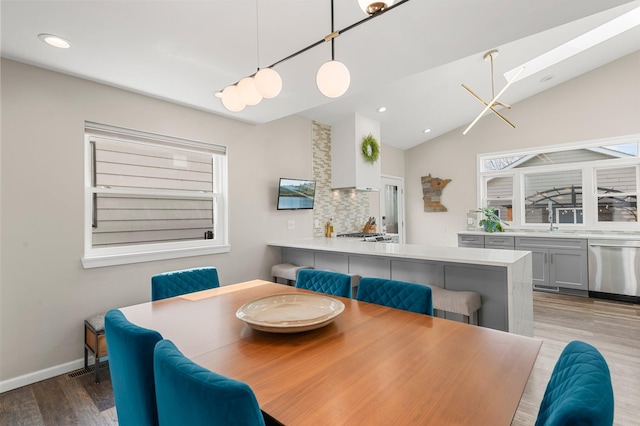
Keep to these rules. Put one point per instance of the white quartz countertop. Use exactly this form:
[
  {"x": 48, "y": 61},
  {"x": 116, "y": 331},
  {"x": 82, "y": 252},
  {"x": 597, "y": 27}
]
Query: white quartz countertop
[
  {"x": 408, "y": 251},
  {"x": 629, "y": 236}
]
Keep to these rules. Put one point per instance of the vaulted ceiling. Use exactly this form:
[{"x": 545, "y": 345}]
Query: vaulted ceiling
[{"x": 412, "y": 60}]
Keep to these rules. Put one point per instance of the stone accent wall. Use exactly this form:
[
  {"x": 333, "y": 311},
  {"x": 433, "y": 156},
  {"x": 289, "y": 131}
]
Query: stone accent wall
[{"x": 347, "y": 209}]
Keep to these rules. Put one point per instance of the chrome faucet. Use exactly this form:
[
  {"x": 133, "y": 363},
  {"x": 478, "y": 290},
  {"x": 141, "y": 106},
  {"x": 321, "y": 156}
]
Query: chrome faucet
[{"x": 550, "y": 208}]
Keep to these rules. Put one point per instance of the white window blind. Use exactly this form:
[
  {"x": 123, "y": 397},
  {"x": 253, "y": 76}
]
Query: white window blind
[{"x": 152, "y": 193}]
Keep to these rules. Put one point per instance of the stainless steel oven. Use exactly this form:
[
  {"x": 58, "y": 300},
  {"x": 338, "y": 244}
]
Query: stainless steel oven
[{"x": 614, "y": 269}]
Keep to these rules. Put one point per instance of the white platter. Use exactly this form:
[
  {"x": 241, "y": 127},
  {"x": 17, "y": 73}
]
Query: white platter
[{"x": 290, "y": 312}]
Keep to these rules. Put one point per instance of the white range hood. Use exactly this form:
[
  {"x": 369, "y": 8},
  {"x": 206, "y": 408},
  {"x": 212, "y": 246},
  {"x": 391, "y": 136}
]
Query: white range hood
[{"x": 349, "y": 169}]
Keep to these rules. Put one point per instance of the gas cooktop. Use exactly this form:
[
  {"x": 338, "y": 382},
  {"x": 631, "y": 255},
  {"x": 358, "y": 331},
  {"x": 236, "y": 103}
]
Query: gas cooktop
[{"x": 360, "y": 235}]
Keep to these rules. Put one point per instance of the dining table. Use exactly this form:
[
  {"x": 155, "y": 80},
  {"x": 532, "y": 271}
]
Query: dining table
[{"x": 370, "y": 364}]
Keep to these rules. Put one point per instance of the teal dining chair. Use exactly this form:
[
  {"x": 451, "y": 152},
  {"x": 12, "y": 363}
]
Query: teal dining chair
[
  {"x": 579, "y": 391},
  {"x": 189, "y": 394},
  {"x": 177, "y": 283},
  {"x": 396, "y": 294},
  {"x": 328, "y": 282},
  {"x": 131, "y": 366}
]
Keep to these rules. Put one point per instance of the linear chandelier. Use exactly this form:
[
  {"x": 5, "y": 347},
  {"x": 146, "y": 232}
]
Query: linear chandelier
[{"x": 333, "y": 77}]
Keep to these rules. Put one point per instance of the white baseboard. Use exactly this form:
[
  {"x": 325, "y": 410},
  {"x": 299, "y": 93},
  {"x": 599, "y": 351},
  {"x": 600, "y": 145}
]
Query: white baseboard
[{"x": 47, "y": 373}]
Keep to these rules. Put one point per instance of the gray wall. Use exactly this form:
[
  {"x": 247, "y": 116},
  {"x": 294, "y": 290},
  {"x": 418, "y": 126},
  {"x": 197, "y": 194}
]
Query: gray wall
[
  {"x": 45, "y": 294},
  {"x": 600, "y": 104}
]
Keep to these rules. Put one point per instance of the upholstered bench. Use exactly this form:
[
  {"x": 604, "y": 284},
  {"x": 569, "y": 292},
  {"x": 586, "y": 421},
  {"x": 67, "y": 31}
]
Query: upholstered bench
[
  {"x": 286, "y": 271},
  {"x": 466, "y": 303},
  {"x": 94, "y": 341}
]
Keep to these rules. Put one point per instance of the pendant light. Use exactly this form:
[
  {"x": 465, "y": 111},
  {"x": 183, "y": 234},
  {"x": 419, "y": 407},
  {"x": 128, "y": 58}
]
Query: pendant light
[
  {"x": 333, "y": 77},
  {"x": 268, "y": 83},
  {"x": 231, "y": 99},
  {"x": 372, "y": 7},
  {"x": 491, "y": 105},
  {"x": 248, "y": 91}
]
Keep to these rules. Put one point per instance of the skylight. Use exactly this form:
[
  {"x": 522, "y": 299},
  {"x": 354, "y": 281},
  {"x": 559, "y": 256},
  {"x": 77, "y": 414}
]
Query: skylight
[{"x": 579, "y": 44}]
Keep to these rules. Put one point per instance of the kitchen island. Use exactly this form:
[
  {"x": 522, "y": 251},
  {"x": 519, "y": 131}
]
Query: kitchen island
[{"x": 501, "y": 277}]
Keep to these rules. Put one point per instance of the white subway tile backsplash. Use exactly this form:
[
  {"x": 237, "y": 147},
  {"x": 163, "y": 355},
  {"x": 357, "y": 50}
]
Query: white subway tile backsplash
[{"x": 349, "y": 210}]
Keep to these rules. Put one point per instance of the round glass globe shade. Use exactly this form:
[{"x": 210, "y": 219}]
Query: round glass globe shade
[
  {"x": 268, "y": 83},
  {"x": 231, "y": 99},
  {"x": 248, "y": 92},
  {"x": 333, "y": 79}
]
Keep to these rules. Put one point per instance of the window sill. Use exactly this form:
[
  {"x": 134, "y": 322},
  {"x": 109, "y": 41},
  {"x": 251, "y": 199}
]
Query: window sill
[{"x": 98, "y": 261}]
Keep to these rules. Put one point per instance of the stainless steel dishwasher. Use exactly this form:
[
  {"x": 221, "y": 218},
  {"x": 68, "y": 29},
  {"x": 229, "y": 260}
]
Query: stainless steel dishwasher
[{"x": 614, "y": 269}]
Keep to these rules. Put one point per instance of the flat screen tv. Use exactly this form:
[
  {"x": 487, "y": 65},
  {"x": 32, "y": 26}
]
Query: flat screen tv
[{"x": 296, "y": 194}]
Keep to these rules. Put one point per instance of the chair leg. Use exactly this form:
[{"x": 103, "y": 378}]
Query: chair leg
[
  {"x": 96, "y": 360},
  {"x": 275, "y": 279},
  {"x": 466, "y": 319}
]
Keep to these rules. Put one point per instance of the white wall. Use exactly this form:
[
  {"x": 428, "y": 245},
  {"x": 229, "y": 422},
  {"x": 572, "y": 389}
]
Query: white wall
[
  {"x": 600, "y": 104},
  {"x": 391, "y": 164},
  {"x": 392, "y": 161},
  {"x": 45, "y": 294}
]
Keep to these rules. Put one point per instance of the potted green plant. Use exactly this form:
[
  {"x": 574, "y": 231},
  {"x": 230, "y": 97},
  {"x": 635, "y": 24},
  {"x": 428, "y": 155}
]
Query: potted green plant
[{"x": 491, "y": 221}]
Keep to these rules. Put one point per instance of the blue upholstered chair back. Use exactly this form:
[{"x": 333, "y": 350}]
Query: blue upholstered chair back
[
  {"x": 396, "y": 294},
  {"x": 131, "y": 365},
  {"x": 176, "y": 283},
  {"x": 579, "y": 391},
  {"x": 189, "y": 394},
  {"x": 327, "y": 282}
]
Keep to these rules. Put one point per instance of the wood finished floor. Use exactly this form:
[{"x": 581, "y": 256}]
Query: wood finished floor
[{"x": 614, "y": 328}]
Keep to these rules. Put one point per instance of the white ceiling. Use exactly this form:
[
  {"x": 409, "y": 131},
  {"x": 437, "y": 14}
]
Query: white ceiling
[{"x": 412, "y": 59}]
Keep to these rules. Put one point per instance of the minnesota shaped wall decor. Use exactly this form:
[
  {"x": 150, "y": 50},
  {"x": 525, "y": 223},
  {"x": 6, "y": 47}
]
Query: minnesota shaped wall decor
[{"x": 432, "y": 191}]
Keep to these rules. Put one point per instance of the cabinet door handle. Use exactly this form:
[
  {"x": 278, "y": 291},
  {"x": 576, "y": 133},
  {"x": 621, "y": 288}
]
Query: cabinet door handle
[
  {"x": 551, "y": 256},
  {"x": 545, "y": 257}
]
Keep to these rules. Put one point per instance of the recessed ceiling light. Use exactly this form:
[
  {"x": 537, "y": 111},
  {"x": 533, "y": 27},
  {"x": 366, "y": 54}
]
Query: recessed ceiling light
[
  {"x": 382, "y": 109},
  {"x": 426, "y": 130},
  {"x": 579, "y": 44},
  {"x": 55, "y": 41}
]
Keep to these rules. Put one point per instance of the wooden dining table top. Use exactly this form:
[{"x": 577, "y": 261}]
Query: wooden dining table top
[{"x": 371, "y": 365}]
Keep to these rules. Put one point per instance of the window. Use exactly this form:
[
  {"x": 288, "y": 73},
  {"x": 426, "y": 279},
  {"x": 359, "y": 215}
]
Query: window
[
  {"x": 565, "y": 215},
  {"x": 151, "y": 197},
  {"x": 617, "y": 194},
  {"x": 500, "y": 196},
  {"x": 588, "y": 184},
  {"x": 546, "y": 194}
]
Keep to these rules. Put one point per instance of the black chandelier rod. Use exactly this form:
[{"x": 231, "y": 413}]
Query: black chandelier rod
[{"x": 335, "y": 34}]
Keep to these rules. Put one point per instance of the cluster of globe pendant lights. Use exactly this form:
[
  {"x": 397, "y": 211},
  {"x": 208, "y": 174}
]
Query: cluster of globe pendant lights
[{"x": 333, "y": 77}]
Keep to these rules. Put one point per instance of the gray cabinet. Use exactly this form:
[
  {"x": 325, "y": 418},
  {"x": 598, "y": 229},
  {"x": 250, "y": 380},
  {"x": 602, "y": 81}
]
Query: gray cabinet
[
  {"x": 497, "y": 241},
  {"x": 369, "y": 266},
  {"x": 490, "y": 282},
  {"x": 493, "y": 241},
  {"x": 336, "y": 262},
  {"x": 559, "y": 264},
  {"x": 493, "y": 292},
  {"x": 476, "y": 241}
]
